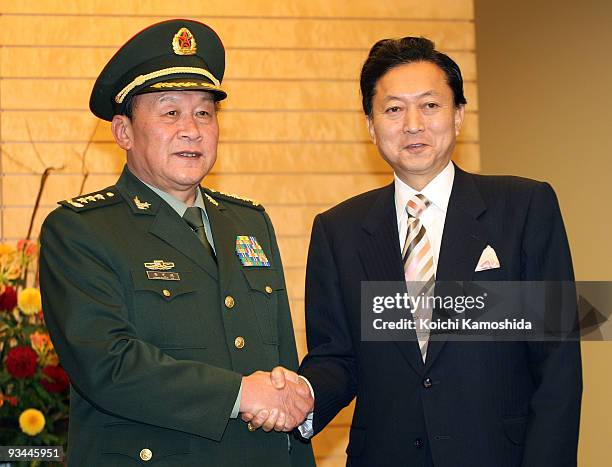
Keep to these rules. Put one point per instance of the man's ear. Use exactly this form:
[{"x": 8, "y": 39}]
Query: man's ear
[
  {"x": 121, "y": 127},
  {"x": 459, "y": 114},
  {"x": 371, "y": 129}
]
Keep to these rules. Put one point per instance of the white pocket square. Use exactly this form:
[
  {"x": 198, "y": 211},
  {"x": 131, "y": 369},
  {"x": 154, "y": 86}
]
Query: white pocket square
[{"x": 488, "y": 260}]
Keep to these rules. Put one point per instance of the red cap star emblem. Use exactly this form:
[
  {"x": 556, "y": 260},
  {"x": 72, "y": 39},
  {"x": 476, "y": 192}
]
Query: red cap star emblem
[{"x": 184, "y": 43}]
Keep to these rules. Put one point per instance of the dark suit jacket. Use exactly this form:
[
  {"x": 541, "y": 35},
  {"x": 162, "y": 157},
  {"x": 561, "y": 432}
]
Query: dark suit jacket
[
  {"x": 472, "y": 404},
  {"x": 153, "y": 363}
]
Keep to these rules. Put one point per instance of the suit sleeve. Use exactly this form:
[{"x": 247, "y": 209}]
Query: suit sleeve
[
  {"x": 109, "y": 365},
  {"x": 552, "y": 431},
  {"x": 330, "y": 366}
]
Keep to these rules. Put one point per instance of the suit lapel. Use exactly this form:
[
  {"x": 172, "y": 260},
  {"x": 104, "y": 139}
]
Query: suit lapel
[
  {"x": 224, "y": 231},
  {"x": 380, "y": 256},
  {"x": 463, "y": 240}
]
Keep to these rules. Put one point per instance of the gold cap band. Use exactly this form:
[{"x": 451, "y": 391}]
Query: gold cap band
[{"x": 142, "y": 79}]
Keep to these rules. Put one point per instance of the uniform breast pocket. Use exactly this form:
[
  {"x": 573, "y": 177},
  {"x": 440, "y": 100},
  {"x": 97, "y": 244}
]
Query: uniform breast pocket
[
  {"x": 265, "y": 289},
  {"x": 168, "y": 312}
]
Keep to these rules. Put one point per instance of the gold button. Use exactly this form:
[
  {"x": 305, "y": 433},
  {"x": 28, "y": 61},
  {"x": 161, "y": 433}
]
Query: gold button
[
  {"x": 268, "y": 289},
  {"x": 251, "y": 427},
  {"x": 229, "y": 301},
  {"x": 166, "y": 293},
  {"x": 146, "y": 454},
  {"x": 239, "y": 342}
]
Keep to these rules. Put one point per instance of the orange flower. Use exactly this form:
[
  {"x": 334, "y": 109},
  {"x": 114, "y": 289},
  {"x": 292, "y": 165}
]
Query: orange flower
[
  {"x": 28, "y": 247},
  {"x": 40, "y": 342},
  {"x": 52, "y": 359}
]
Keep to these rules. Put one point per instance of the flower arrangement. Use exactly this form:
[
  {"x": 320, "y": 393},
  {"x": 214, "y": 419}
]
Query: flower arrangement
[{"x": 33, "y": 385}]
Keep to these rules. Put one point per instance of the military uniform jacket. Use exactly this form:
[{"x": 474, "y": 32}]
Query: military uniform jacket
[{"x": 155, "y": 335}]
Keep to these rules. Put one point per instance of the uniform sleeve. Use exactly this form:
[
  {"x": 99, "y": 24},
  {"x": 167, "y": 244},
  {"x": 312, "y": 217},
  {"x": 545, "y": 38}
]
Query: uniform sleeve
[
  {"x": 552, "y": 430},
  {"x": 330, "y": 365},
  {"x": 109, "y": 365}
]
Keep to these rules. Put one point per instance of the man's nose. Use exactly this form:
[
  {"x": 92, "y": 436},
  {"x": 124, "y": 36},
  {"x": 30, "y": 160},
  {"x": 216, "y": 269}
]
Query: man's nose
[
  {"x": 413, "y": 121},
  {"x": 189, "y": 128}
]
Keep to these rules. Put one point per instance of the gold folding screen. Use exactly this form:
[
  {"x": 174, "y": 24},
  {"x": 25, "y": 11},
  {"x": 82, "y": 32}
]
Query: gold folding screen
[{"x": 292, "y": 132}]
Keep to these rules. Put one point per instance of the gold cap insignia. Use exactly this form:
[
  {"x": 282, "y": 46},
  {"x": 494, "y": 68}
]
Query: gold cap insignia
[
  {"x": 139, "y": 204},
  {"x": 159, "y": 265},
  {"x": 184, "y": 43}
]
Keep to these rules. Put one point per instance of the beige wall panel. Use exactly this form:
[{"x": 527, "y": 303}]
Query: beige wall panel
[
  {"x": 239, "y": 32},
  {"x": 19, "y": 220},
  {"x": 235, "y": 126},
  {"x": 300, "y": 342},
  {"x": 295, "y": 278},
  {"x": 99, "y": 158},
  {"x": 22, "y": 189},
  {"x": 333, "y": 443},
  {"x": 293, "y": 250},
  {"x": 439, "y": 9},
  {"x": 233, "y": 158},
  {"x": 62, "y": 62},
  {"x": 293, "y": 220},
  {"x": 297, "y": 315},
  {"x": 23, "y": 94},
  {"x": 297, "y": 188}
]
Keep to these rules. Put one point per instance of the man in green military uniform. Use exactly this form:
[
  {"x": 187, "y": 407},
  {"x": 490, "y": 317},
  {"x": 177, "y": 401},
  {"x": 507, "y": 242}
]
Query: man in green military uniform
[{"x": 166, "y": 301}]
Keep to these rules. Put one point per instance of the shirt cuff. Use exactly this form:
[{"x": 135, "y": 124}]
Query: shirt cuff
[
  {"x": 305, "y": 428},
  {"x": 236, "y": 408}
]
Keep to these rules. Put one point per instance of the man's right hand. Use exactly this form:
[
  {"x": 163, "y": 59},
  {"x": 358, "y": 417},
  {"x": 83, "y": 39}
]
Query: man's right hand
[{"x": 278, "y": 401}]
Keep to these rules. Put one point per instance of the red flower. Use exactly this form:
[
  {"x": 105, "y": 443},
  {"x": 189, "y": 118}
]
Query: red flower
[
  {"x": 54, "y": 379},
  {"x": 21, "y": 362},
  {"x": 8, "y": 299}
]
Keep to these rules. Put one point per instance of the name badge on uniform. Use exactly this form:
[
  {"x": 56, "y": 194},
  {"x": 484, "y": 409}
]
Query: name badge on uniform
[
  {"x": 158, "y": 270},
  {"x": 250, "y": 252}
]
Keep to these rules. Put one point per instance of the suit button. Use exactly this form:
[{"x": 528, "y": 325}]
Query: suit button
[
  {"x": 239, "y": 342},
  {"x": 418, "y": 443},
  {"x": 146, "y": 455},
  {"x": 427, "y": 383},
  {"x": 268, "y": 289},
  {"x": 166, "y": 293},
  {"x": 229, "y": 301}
]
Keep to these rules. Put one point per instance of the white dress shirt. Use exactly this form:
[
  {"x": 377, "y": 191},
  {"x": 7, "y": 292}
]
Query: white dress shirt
[{"x": 438, "y": 192}]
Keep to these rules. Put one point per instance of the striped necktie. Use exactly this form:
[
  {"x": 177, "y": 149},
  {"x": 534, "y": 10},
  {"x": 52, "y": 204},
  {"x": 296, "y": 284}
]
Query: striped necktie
[
  {"x": 193, "y": 217},
  {"x": 418, "y": 266}
]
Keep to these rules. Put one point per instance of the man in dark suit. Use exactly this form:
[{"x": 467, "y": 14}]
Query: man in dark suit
[
  {"x": 166, "y": 300},
  {"x": 436, "y": 402}
]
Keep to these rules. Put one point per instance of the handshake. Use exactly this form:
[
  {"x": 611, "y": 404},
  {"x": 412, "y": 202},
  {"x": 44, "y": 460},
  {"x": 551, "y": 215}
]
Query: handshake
[{"x": 278, "y": 400}]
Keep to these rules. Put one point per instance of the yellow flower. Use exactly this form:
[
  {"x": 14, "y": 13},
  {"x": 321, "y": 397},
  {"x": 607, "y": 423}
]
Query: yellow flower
[
  {"x": 31, "y": 421},
  {"x": 5, "y": 249},
  {"x": 29, "y": 301}
]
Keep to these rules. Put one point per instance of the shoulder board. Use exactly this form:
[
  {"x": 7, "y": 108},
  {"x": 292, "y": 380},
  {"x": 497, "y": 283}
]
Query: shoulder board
[
  {"x": 234, "y": 199},
  {"x": 97, "y": 199}
]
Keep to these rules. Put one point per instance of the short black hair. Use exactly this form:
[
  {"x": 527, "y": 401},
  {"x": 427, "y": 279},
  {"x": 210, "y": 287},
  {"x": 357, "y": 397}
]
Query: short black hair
[
  {"x": 389, "y": 53},
  {"x": 128, "y": 108}
]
